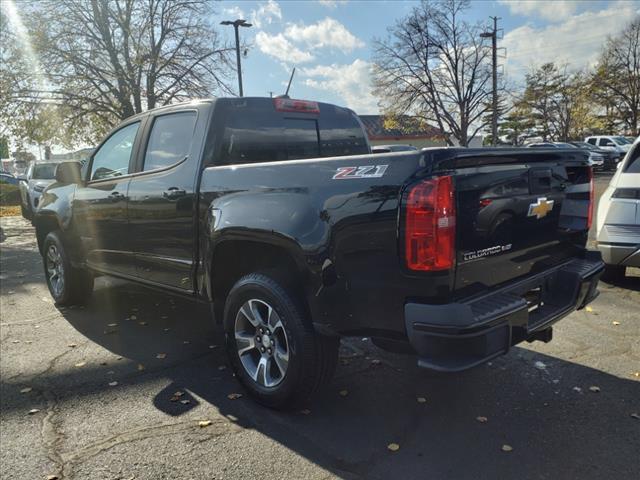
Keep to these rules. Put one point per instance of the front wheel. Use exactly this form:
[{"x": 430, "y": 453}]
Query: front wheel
[
  {"x": 273, "y": 348},
  {"x": 67, "y": 284}
]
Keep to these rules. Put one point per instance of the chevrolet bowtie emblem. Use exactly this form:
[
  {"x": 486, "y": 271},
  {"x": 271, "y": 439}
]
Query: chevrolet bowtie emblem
[{"x": 540, "y": 208}]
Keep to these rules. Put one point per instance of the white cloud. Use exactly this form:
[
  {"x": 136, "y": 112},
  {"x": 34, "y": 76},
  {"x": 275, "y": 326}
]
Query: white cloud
[
  {"x": 233, "y": 13},
  {"x": 331, "y": 3},
  {"x": 351, "y": 81},
  {"x": 555, "y": 11},
  {"x": 577, "y": 41},
  {"x": 279, "y": 47},
  {"x": 326, "y": 33},
  {"x": 266, "y": 13}
]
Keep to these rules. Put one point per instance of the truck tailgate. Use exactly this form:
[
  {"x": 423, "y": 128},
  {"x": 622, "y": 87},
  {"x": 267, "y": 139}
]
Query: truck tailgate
[{"x": 518, "y": 213}]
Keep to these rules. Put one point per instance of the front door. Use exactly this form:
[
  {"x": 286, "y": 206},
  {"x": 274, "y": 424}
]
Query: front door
[
  {"x": 162, "y": 206},
  {"x": 100, "y": 205}
]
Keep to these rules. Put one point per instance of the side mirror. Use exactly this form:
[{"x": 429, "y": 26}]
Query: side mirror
[{"x": 69, "y": 172}]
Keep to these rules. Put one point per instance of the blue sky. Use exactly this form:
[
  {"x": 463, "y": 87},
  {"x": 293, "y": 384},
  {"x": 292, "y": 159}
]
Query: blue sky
[{"x": 330, "y": 41}]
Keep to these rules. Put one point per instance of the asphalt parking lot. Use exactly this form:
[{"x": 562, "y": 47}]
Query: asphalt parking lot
[{"x": 117, "y": 390}]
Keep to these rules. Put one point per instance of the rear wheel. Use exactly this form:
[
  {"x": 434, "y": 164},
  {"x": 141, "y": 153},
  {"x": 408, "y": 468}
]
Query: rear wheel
[
  {"x": 68, "y": 285},
  {"x": 273, "y": 348}
]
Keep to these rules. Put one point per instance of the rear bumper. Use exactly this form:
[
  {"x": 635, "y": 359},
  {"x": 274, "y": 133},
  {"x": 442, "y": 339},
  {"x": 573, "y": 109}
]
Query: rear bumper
[
  {"x": 459, "y": 336},
  {"x": 620, "y": 254}
]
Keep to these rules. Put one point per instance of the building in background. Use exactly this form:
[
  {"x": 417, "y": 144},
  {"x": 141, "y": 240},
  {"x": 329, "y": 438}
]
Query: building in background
[{"x": 385, "y": 130}]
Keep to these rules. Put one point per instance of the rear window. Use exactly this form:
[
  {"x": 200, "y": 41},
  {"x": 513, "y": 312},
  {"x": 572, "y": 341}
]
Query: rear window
[{"x": 258, "y": 133}]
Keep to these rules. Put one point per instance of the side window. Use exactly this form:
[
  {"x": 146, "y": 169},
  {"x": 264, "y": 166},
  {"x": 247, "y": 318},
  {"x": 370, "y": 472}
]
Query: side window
[
  {"x": 170, "y": 140},
  {"x": 633, "y": 164},
  {"x": 112, "y": 159},
  {"x": 605, "y": 142},
  {"x": 592, "y": 141}
]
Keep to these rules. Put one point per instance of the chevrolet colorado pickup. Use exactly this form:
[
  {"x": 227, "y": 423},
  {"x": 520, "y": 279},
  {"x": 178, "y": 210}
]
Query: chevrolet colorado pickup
[{"x": 276, "y": 214}]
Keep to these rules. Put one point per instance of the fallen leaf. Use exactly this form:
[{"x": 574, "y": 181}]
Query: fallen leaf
[
  {"x": 507, "y": 448},
  {"x": 616, "y": 323},
  {"x": 112, "y": 325},
  {"x": 344, "y": 393},
  {"x": 52, "y": 477},
  {"x": 178, "y": 394},
  {"x": 186, "y": 342},
  {"x": 375, "y": 361},
  {"x": 482, "y": 419},
  {"x": 636, "y": 374},
  {"x": 305, "y": 411},
  {"x": 81, "y": 364},
  {"x": 589, "y": 309},
  {"x": 577, "y": 389},
  {"x": 15, "y": 341},
  {"x": 394, "y": 447},
  {"x": 635, "y": 415},
  {"x": 222, "y": 367},
  {"x": 185, "y": 402},
  {"x": 421, "y": 400},
  {"x": 140, "y": 367},
  {"x": 204, "y": 423},
  {"x": 113, "y": 384},
  {"x": 164, "y": 317},
  {"x": 213, "y": 346},
  {"x": 594, "y": 389},
  {"x": 111, "y": 372},
  {"x": 134, "y": 309},
  {"x": 28, "y": 341},
  {"x": 142, "y": 323},
  {"x": 161, "y": 356},
  {"x": 234, "y": 396},
  {"x": 26, "y": 390},
  {"x": 167, "y": 329},
  {"x": 33, "y": 411},
  {"x": 133, "y": 317}
]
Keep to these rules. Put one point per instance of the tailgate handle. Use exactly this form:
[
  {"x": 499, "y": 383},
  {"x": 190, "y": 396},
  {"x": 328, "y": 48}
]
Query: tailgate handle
[{"x": 540, "y": 180}]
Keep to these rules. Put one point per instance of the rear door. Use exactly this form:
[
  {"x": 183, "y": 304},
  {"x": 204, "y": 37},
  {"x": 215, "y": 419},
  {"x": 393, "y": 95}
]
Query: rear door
[
  {"x": 518, "y": 218},
  {"x": 162, "y": 197}
]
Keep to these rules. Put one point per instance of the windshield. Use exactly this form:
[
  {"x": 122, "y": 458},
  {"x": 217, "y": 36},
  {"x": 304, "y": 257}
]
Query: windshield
[
  {"x": 621, "y": 140},
  {"x": 44, "y": 171},
  {"x": 585, "y": 145},
  {"x": 564, "y": 145}
]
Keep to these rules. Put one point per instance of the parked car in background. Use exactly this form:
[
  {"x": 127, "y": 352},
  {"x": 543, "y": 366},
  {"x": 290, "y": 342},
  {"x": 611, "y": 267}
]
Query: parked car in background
[
  {"x": 392, "y": 148},
  {"x": 618, "y": 219},
  {"x": 631, "y": 139},
  {"x": 597, "y": 160},
  {"x": 38, "y": 177},
  {"x": 611, "y": 158},
  {"x": 6, "y": 177},
  {"x": 614, "y": 143}
]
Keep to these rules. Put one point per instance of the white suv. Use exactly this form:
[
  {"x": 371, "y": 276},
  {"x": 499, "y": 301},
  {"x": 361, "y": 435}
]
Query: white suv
[
  {"x": 615, "y": 143},
  {"x": 618, "y": 219}
]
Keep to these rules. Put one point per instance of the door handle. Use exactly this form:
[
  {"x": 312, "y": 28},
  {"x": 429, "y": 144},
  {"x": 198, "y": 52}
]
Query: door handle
[
  {"x": 173, "y": 193},
  {"x": 116, "y": 196}
]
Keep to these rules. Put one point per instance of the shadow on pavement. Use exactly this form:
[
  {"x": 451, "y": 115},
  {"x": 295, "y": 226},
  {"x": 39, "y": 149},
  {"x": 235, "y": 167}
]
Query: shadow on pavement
[{"x": 532, "y": 401}]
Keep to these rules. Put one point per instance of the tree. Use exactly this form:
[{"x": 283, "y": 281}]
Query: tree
[
  {"x": 106, "y": 60},
  {"x": 434, "y": 66},
  {"x": 4, "y": 148},
  {"x": 617, "y": 76}
]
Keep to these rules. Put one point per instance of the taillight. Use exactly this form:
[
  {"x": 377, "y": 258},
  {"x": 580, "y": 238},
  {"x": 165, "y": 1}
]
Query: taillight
[
  {"x": 291, "y": 105},
  {"x": 591, "y": 199},
  {"x": 430, "y": 225}
]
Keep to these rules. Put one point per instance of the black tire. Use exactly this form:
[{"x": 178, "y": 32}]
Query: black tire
[
  {"x": 77, "y": 283},
  {"x": 26, "y": 212},
  {"x": 312, "y": 357},
  {"x": 614, "y": 273}
]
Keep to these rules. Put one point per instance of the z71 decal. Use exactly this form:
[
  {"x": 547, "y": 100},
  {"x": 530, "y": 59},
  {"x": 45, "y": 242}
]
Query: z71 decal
[{"x": 370, "y": 171}]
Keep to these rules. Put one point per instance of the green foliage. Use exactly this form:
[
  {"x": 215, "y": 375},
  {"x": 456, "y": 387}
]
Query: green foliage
[
  {"x": 4, "y": 148},
  {"x": 9, "y": 194}
]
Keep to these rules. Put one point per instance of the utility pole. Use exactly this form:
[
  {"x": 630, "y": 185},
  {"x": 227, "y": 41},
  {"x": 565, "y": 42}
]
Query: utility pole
[
  {"x": 236, "y": 24},
  {"x": 494, "y": 65}
]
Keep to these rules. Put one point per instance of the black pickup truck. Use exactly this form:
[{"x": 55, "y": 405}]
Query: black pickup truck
[{"x": 276, "y": 214}]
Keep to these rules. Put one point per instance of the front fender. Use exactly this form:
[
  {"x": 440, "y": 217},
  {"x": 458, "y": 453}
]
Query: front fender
[{"x": 54, "y": 211}]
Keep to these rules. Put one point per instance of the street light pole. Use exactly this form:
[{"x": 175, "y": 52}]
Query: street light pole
[
  {"x": 494, "y": 65},
  {"x": 236, "y": 24}
]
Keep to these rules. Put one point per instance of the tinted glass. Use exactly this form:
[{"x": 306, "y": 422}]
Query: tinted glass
[
  {"x": 170, "y": 140},
  {"x": 44, "y": 171},
  {"x": 605, "y": 142},
  {"x": 112, "y": 159},
  {"x": 633, "y": 165},
  {"x": 256, "y": 132},
  {"x": 592, "y": 141},
  {"x": 621, "y": 140}
]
